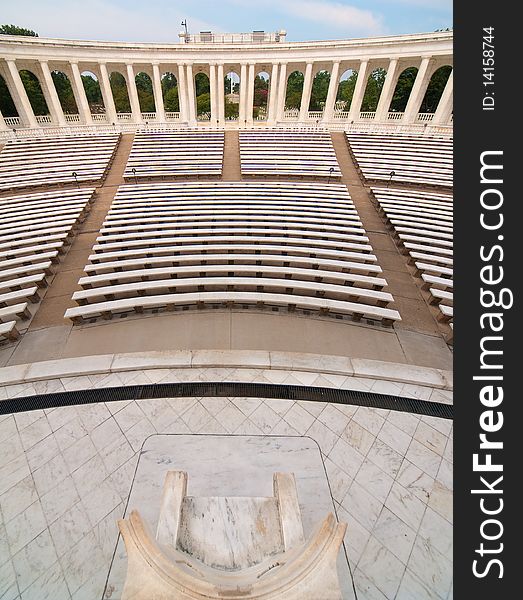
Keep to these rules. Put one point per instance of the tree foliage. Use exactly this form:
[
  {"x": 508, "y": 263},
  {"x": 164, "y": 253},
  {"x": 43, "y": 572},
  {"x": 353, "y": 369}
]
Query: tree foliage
[
  {"x": 7, "y": 106},
  {"x": 437, "y": 84},
  {"x": 120, "y": 95},
  {"x": 403, "y": 89},
  {"x": 34, "y": 92},
  {"x": 294, "y": 90},
  {"x": 15, "y": 30},
  {"x": 65, "y": 92}
]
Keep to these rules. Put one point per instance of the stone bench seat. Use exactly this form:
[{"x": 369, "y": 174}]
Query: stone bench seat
[
  {"x": 354, "y": 231},
  {"x": 108, "y": 309},
  {"x": 22, "y": 220},
  {"x": 434, "y": 269},
  {"x": 441, "y": 296},
  {"x": 30, "y": 294},
  {"x": 29, "y": 259},
  {"x": 9, "y": 331},
  {"x": 22, "y": 282},
  {"x": 16, "y": 311},
  {"x": 260, "y": 271},
  {"x": 13, "y": 273},
  {"x": 41, "y": 207},
  {"x": 437, "y": 282},
  {"x": 432, "y": 250},
  {"x": 42, "y": 235},
  {"x": 427, "y": 225},
  {"x": 423, "y": 256},
  {"x": 153, "y": 244},
  {"x": 447, "y": 313},
  {"x": 260, "y": 284},
  {"x": 432, "y": 212},
  {"x": 39, "y": 248},
  {"x": 116, "y": 261},
  {"x": 426, "y": 241},
  {"x": 38, "y": 223}
]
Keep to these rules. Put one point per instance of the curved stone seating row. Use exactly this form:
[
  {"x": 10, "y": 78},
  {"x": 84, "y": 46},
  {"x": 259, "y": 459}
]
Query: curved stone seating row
[
  {"x": 35, "y": 230},
  {"x": 175, "y": 154},
  {"x": 52, "y": 161},
  {"x": 414, "y": 159},
  {"x": 422, "y": 223},
  {"x": 284, "y": 153},
  {"x": 233, "y": 243}
]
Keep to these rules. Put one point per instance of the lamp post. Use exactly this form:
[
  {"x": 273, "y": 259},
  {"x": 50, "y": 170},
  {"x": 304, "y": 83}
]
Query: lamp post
[
  {"x": 331, "y": 171},
  {"x": 76, "y": 179},
  {"x": 391, "y": 175},
  {"x": 134, "y": 173}
]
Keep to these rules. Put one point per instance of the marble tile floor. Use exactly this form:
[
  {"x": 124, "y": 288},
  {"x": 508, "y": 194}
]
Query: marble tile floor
[{"x": 66, "y": 473}]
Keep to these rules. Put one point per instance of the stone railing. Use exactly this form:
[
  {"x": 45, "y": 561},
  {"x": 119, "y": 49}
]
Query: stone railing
[
  {"x": 172, "y": 116},
  {"x": 203, "y": 117},
  {"x": 423, "y": 117},
  {"x": 100, "y": 118},
  {"x": 341, "y": 115},
  {"x": 124, "y": 116},
  {"x": 72, "y": 118},
  {"x": 291, "y": 113},
  {"x": 44, "y": 120},
  {"x": 315, "y": 114},
  {"x": 395, "y": 116},
  {"x": 13, "y": 121},
  {"x": 254, "y": 37},
  {"x": 148, "y": 116},
  {"x": 367, "y": 115}
]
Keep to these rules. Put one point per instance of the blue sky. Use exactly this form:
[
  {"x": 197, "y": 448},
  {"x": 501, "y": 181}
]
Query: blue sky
[{"x": 159, "y": 20}]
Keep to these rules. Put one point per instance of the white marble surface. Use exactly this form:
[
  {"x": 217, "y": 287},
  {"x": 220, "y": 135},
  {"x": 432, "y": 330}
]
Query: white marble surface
[{"x": 75, "y": 465}]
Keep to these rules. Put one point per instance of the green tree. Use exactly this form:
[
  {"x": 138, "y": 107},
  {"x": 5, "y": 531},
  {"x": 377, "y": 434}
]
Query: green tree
[
  {"x": 15, "y": 30},
  {"x": 294, "y": 90},
  {"x": 403, "y": 89},
  {"x": 261, "y": 94},
  {"x": 144, "y": 87},
  {"x": 201, "y": 84},
  {"x": 93, "y": 92},
  {"x": 34, "y": 92},
  {"x": 203, "y": 103},
  {"x": 171, "y": 101},
  {"x": 319, "y": 90},
  {"x": 373, "y": 90},
  {"x": 437, "y": 84},
  {"x": 65, "y": 92},
  {"x": 7, "y": 106},
  {"x": 232, "y": 109},
  {"x": 120, "y": 95},
  {"x": 346, "y": 90}
]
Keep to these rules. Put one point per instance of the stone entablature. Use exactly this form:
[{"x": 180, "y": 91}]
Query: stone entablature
[{"x": 427, "y": 52}]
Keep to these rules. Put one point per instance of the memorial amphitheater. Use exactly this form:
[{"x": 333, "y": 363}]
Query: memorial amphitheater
[{"x": 254, "y": 297}]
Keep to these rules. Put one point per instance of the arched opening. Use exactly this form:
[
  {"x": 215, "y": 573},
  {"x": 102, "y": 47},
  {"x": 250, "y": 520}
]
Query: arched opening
[
  {"x": 372, "y": 93},
  {"x": 403, "y": 89},
  {"x": 231, "y": 83},
  {"x": 345, "y": 91},
  {"x": 122, "y": 103},
  {"x": 202, "y": 90},
  {"x": 293, "y": 94},
  {"x": 319, "y": 91},
  {"x": 171, "y": 100},
  {"x": 261, "y": 96},
  {"x": 7, "y": 105},
  {"x": 93, "y": 93},
  {"x": 34, "y": 92},
  {"x": 144, "y": 87},
  {"x": 437, "y": 84},
  {"x": 65, "y": 93}
]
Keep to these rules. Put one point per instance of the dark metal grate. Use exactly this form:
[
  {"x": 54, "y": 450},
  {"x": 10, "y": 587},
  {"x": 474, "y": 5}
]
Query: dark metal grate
[{"x": 228, "y": 390}]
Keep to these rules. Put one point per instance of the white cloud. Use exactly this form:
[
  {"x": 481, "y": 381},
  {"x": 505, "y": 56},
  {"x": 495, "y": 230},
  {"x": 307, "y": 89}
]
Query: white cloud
[
  {"x": 100, "y": 20},
  {"x": 335, "y": 14}
]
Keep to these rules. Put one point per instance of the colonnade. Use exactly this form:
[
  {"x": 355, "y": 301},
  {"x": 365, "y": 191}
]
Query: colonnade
[{"x": 186, "y": 70}]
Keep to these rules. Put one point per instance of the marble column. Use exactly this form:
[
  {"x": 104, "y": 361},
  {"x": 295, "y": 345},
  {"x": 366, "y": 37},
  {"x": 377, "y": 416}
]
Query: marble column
[
  {"x": 244, "y": 90},
  {"x": 444, "y": 110},
  {"x": 359, "y": 91},
  {"x": 107, "y": 94},
  {"x": 182, "y": 93},
  {"x": 214, "y": 92},
  {"x": 191, "y": 96},
  {"x": 282, "y": 90},
  {"x": 306, "y": 94},
  {"x": 328, "y": 111},
  {"x": 418, "y": 91},
  {"x": 3, "y": 126},
  {"x": 133, "y": 95},
  {"x": 273, "y": 95},
  {"x": 51, "y": 96},
  {"x": 83, "y": 106},
  {"x": 157, "y": 91},
  {"x": 220, "y": 90},
  {"x": 250, "y": 95},
  {"x": 389, "y": 87},
  {"x": 19, "y": 95}
]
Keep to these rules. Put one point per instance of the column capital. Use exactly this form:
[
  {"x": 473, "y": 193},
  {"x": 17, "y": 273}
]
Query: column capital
[
  {"x": 155, "y": 63},
  {"x": 43, "y": 61},
  {"x": 212, "y": 63}
]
